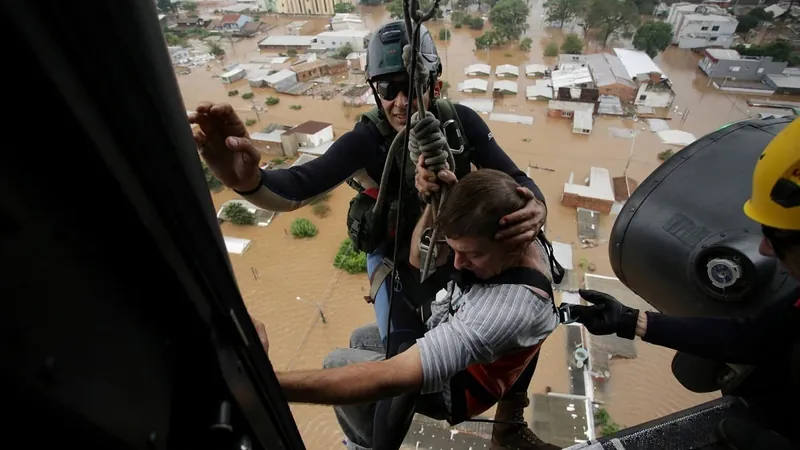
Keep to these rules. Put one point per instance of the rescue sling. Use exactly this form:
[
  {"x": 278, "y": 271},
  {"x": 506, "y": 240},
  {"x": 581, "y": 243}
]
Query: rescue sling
[
  {"x": 481, "y": 386},
  {"x": 368, "y": 231}
]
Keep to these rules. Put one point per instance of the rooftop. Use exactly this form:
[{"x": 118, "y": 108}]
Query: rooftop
[
  {"x": 607, "y": 69},
  {"x": 310, "y": 127},
  {"x": 637, "y": 63},
  {"x": 503, "y": 69},
  {"x": 785, "y": 81},
  {"x": 599, "y": 185},
  {"x": 272, "y": 136},
  {"x": 478, "y": 68},
  {"x": 709, "y": 18},
  {"x": 567, "y": 78},
  {"x": 722, "y": 53},
  {"x": 344, "y": 33},
  {"x": 287, "y": 41}
]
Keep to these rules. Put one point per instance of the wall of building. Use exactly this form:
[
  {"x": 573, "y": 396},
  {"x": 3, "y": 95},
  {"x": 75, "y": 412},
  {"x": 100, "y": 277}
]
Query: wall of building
[
  {"x": 595, "y": 204},
  {"x": 333, "y": 42},
  {"x": 313, "y": 140},
  {"x": 306, "y": 7},
  {"x": 693, "y": 35},
  {"x": 626, "y": 94}
]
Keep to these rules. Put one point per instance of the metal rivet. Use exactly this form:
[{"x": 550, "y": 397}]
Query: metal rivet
[{"x": 633, "y": 209}]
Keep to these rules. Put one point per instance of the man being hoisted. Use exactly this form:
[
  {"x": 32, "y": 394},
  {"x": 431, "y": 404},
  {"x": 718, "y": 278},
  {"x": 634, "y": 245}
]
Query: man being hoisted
[{"x": 361, "y": 155}]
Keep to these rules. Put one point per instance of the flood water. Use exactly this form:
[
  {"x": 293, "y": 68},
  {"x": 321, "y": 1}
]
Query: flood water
[{"x": 277, "y": 268}]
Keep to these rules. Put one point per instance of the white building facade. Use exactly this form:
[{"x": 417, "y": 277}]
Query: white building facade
[
  {"x": 701, "y": 26},
  {"x": 336, "y": 39}
]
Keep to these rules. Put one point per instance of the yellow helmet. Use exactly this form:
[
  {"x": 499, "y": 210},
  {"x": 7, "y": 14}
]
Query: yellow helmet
[{"x": 775, "y": 201}]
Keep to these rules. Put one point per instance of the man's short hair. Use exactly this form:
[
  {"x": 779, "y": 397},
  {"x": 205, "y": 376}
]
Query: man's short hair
[{"x": 477, "y": 203}]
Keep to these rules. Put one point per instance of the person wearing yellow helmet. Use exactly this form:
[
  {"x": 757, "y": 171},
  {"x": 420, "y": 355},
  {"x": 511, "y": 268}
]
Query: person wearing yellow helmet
[{"x": 769, "y": 341}]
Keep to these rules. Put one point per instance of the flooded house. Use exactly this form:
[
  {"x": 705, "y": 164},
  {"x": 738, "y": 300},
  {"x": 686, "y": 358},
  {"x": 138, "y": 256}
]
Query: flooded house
[
  {"x": 283, "y": 43},
  {"x": 701, "y": 26},
  {"x": 582, "y": 122},
  {"x": 233, "y": 76},
  {"x": 473, "y": 86},
  {"x": 357, "y": 61},
  {"x": 268, "y": 142},
  {"x": 541, "y": 90},
  {"x": 262, "y": 216},
  {"x": 569, "y": 62},
  {"x": 295, "y": 27},
  {"x": 280, "y": 80},
  {"x": 784, "y": 83},
  {"x": 347, "y": 21},
  {"x": 505, "y": 87},
  {"x": 178, "y": 54},
  {"x": 332, "y": 40},
  {"x": 731, "y": 71},
  {"x": 358, "y": 95},
  {"x": 319, "y": 68},
  {"x": 507, "y": 71},
  {"x": 233, "y": 22},
  {"x": 654, "y": 88},
  {"x": 478, "y": 70},
  {"x": 536, "y": 70},
  {"x": 567, "y": 108},
  {"x": 598, "y": 195},
  {"x": 610, "y": 77},
  {"x": 307, "y": 134}
]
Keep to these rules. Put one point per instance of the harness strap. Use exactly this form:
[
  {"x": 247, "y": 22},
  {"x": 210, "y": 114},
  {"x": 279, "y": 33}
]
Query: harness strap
[{"x": 383, "y": 270}]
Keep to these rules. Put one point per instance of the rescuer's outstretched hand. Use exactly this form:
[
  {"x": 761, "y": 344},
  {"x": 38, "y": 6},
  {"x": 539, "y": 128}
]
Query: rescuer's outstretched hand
[
  {"x": 225, "y": 146},
  {"x": 522, "y": 227},
  {"x": 606, "y": 315}
]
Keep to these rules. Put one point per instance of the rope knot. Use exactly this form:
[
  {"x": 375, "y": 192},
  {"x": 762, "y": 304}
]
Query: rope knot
[{"x": 427, "y": 139}]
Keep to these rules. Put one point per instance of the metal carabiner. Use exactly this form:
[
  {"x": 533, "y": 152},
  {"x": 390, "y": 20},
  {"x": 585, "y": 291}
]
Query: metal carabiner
[
  {"x": 458, "y": 133},
  {"x": 565, "y": 314}
]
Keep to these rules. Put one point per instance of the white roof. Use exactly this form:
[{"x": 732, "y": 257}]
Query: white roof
[
  {"x": 563, "y": 105},
  {"x": 637, "y": 62},
  {"x": 582, "y": 120},
  {"x": 599, "y": 185},
  {"x": 279, "y": 76},
  {"x": 540, "y": 89},
  {"x": 345, "y": 33},
  {"x": 709, "y": 18},
  {"x": 272, "y": 136},
  {"x": 563, "y": 254},
  {"x": 304, "y": 158},
  {"x": 318, "y": 150},
  {"x": 511, "y": 118},
  {"x": 505, "y": 85},
  {"x": 532, "y": 69},
  {"x": 236, "y": 245},
  {"x": 676, "y": 137},
  {"x": 776, "y": 10},
  {"x": 506, "y": 69},
  {"x": 567, "y": 78},
  {"x": 238, "y": 8},
  {"x": 479, "y": 104},
  {"x": 473, "y": 84},
  {"x": 233, "y": 72},
  {"x": 473, "y": 69},
  {"x": 287, "y": 40},
  {"x": 279, "y": 60},
  {"x": 723, "y": 53}
]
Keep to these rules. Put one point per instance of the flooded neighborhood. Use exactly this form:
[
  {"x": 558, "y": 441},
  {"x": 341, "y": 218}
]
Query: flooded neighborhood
[{"x": 586, "y": 126}]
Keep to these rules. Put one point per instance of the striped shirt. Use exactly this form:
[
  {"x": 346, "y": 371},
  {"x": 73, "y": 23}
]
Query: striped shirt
[{"x": 490, "y": 321}]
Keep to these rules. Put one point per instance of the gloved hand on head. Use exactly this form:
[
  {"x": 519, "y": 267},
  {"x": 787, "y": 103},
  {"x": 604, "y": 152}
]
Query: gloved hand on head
[{"x": 606, "y": 315}]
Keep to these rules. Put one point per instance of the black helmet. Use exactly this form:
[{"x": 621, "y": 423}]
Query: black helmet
[{"x": 385, "y": 52}]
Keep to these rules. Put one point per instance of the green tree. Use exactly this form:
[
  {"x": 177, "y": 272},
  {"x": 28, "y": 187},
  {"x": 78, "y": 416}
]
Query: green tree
[
  {"x": 291, "y": 52},
  {"x": 395, "y": 9},
  {"x": 165, "y": 6},
  {"x": 746, "y": 23},
  {"x": 250, "y": 122},
  {"x": 761, "y": 14},
  {"x": 510, "y": 18},
  {"x": 652, "y": 37},
  {"x": 444, "y": 34},
  {"x": 350, "y": 260},
  {"x": 271, "y": 101},
  {"x": 215, "y": 49},
  {"x": 343, "y": 8},
  {"x": 303, "y": 228},
  {"x": 371, "y": 2},
  {"x": 213, "y": 183},
  {"x": 562, "y": 10},
  {"x": 476, "y": 23},
  {"x": 189, "y": 6},
  {"x": 321, "y": 209},
  {"x": 779, "y": 50},
  {"x": 611, "y": 17},
  {"x": 551, "y": 49},
  {"x": 489, "y": 39},
  {"x": 525, "y": 44},
  {"x": 247, "y": 95},
  {"x": 343, "y": 51},
  {"x": 572, "y": 45},
  {"x": 458, "y": 18},
  {"x": 237, "y": 214}
]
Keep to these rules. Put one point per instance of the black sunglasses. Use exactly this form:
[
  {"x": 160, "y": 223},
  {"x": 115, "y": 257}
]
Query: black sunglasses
[{"x": 389, "y": 89}]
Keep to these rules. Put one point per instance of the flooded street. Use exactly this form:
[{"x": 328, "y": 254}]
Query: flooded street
[{"x": 277, "y": 268}]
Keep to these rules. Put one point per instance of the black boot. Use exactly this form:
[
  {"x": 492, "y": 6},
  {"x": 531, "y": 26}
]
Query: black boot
[{"x": 516, "y": 436}]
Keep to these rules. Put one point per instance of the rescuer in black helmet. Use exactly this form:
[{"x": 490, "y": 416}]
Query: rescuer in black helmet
[{"x": 359, "y": 157}]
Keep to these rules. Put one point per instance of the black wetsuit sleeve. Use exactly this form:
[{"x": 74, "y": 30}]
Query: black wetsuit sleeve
[
  {"x": 489, "y": 155},
  {"x": 344, "y": 158},
  {"x": 732, "y": 340}
]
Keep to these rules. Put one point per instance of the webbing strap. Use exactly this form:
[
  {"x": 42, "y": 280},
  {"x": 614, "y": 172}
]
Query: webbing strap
[{"x": 383, "y": 270}]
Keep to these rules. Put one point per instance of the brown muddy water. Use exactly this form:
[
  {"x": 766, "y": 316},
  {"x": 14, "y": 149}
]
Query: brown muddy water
[{"x": 286, "y": 268}]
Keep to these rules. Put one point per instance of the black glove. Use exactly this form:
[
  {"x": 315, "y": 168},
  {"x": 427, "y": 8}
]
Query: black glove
[
  {"x": 744, "y": 434},
  {"x": 606, "y": 315}
]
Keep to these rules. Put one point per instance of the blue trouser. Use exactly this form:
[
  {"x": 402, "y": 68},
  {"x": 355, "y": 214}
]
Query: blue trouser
[{"x": 405, "y": 323}]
